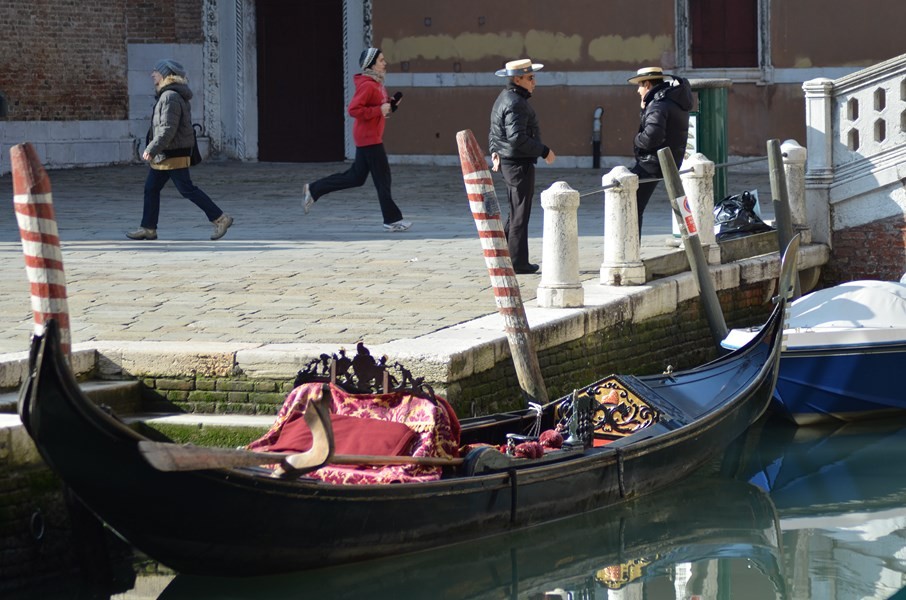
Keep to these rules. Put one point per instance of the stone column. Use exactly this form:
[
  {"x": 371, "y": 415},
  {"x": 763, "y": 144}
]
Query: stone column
[
  {"x": 622, "y": 264},
  {"x": 819, "y": 118},
  {"x": 698, "y": 184},
  {"x": 794, "y": 157},
  {"x": 560, "y": 286}
]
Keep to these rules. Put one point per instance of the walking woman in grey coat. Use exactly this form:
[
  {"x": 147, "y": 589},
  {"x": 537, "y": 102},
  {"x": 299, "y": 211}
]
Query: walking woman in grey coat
[{"x": 169, "y": 151}]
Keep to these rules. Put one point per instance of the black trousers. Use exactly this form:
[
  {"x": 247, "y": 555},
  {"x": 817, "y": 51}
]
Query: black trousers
[
  {"x": 368, "y": 159},
  {"x": 520, "y": 189},
  {"x": 645, "y": 191}
]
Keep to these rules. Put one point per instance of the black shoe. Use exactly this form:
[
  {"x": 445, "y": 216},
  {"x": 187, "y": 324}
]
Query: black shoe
[{"x": 526, "y": 269}]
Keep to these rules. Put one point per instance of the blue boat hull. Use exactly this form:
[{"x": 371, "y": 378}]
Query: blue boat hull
[{"x": 841, "y": 383}]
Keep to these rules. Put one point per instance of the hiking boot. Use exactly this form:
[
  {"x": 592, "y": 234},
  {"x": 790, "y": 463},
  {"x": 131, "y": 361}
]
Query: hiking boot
[
  {"x": 401, "y": 225},
  {"x": 221, "y": 224},
  {"x": 307, "y": 200},
  {"x": 142, "y": 233}
]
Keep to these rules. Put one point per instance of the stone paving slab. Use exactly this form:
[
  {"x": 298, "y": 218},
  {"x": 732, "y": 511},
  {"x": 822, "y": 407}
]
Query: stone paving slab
[{"x": 328, "y": 278}]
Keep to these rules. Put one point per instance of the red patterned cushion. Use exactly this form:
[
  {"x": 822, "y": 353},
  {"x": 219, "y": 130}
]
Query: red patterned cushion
[{"x": 352, "y": 435}]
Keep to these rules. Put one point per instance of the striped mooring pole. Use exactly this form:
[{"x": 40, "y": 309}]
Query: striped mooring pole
[
  {"x": 40, "y": 241},
  {"x": 486, "y": 212}
]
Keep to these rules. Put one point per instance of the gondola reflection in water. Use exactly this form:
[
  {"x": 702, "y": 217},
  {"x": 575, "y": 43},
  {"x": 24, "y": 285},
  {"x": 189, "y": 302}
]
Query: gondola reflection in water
[{"x": 704, "y": 528}]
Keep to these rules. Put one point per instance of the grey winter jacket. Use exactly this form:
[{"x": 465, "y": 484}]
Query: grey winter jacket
[
  {"x": 664, "y": 124},
  {"x": 171, "y": 120},
  {"x": 515, "y": 134}
]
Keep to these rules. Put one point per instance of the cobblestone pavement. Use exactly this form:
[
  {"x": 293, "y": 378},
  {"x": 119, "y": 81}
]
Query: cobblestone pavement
[{"x": 333, "y": 276}]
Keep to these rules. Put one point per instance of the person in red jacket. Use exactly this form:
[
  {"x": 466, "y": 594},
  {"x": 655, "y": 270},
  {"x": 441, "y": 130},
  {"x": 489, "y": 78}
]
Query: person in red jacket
[{"x": 370, "y": 106}]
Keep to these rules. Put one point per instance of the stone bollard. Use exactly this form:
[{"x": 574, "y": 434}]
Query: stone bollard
[
  {"x": 560, "y": 286},
  {"x": 698, "y": 185},
  {"x": 794, "y": 157},
  {"x": 622, "y": 264}
]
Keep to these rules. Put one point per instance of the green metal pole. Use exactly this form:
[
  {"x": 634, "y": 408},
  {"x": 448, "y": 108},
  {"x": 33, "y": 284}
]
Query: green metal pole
[{"x": 712, "y": 128}]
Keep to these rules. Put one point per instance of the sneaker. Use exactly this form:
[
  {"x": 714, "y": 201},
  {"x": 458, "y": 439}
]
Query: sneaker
[
  {"x": 221, "y": 224},
  {"x": 401, "y": 225},
  {"x": 142, "y": 233},
  {"x": 307, "y": 200}
]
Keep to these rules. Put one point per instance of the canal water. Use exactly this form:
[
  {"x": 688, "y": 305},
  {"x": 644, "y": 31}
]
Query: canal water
[{"x": 787, "y": 513}]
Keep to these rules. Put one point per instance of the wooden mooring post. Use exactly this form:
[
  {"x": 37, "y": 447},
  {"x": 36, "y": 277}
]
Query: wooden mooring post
[{"x": 486, "y": 212}]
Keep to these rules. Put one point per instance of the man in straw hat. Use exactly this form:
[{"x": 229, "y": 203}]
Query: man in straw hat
[
  {"x": 515, "y": 145},
  {"x": 664, "y": 124}
]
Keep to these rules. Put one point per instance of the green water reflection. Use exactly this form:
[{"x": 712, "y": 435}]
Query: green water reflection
[{"x": 791, "y": 514}]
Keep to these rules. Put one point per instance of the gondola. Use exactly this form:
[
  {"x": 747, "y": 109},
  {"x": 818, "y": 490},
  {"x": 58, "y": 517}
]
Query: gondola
[{"x": 244, "y": 521}]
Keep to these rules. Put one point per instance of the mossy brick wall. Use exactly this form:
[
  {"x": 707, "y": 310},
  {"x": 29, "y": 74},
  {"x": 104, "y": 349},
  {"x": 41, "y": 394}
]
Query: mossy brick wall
[
  {"x": 875, "y": 250},
  {"x": 680, "y": 339},
  {"x": 46, "y": 535},
  {"x": 36, "y": 537},
  {"x": 215, "y": 396}
]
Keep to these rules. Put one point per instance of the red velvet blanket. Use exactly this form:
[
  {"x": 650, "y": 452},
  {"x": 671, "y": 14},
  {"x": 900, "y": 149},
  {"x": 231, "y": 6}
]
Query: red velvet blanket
[{"x": 434, "y": 426}]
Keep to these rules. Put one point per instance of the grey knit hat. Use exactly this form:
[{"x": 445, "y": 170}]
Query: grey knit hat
[
  {"x": 168, "y": 66},
  {"x": 369, "y": 55}
]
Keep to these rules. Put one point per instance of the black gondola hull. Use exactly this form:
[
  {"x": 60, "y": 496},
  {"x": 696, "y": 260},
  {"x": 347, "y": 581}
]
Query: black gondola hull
[{"x": 239, "y": 522}]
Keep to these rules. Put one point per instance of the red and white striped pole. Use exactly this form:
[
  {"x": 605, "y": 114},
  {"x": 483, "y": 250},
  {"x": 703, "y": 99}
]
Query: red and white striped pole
[
  {"x": 40, "y": 241},
  {"x": 486, "y": 211}
]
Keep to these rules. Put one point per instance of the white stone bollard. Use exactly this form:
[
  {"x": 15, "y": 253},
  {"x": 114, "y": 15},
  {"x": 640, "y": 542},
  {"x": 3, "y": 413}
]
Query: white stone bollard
[
  {"x": 698, "y": 184},
  {"x": 622, "y": 264},
  {"x": 560, "y": 286},
  {"x": 794, "y": 157}
]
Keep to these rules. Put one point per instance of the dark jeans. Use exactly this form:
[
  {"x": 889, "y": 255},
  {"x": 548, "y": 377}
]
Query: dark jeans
[
  {"x": 368, "y": 159},
  {"x": 156, "y": 181},
  {"x": 520, "y": 189},
  {"x": 645, "y": 191}
]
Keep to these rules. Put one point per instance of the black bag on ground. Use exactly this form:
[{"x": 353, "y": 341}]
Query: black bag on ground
[{"x": 735, "y": 216}]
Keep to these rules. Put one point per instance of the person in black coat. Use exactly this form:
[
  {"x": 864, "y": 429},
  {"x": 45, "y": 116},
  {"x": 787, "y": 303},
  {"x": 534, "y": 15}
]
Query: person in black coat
[
  {"x": 515, "y": 145},
  {"x": 664, "y": 123}
]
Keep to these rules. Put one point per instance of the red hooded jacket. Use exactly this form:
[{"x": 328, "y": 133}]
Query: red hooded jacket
[{"x": 365, "y": 108}]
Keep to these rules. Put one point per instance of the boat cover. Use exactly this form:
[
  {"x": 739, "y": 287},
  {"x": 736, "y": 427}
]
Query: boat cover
[{"x": 867, "y": 303}]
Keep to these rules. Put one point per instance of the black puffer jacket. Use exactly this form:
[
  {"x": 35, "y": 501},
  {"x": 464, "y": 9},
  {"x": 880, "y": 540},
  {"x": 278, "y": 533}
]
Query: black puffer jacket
[
  {"x": 664, "y": 124},
  {"x": 515, "y": 134}
]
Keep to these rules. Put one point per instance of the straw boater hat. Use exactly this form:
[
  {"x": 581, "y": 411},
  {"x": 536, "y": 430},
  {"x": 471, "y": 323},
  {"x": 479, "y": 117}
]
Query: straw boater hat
[
  {"x": 647, "y": 74},
  {"x": 519, "y": 67}
]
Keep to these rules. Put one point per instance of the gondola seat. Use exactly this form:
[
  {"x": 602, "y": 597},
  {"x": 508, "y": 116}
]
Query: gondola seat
[{"x": 395, "y": 423}]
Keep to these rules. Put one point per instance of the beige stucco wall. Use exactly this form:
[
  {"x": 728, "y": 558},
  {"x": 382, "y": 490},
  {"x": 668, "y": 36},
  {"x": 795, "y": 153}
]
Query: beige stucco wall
[{"x": 592, "y": 38}]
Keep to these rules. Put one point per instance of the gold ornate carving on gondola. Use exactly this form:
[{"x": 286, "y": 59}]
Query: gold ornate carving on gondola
[
  {"x": 614, "y": 410},
  {"x": 619, "y": 411},
  {"x": 615, "y": 577}
]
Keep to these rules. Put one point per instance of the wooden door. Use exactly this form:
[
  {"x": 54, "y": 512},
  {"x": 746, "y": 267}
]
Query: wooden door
[
  {"x": 724, "y": 33},
  {"x": 301, "y": 111}
]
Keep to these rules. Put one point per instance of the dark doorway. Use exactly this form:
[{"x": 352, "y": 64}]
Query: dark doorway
[
  {"x": 724, "y": 33},
  {"x": 301, "y": 111}
]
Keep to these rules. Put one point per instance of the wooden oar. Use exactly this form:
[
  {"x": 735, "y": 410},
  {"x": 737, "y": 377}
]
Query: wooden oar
[{"x": 186, "y": 457}]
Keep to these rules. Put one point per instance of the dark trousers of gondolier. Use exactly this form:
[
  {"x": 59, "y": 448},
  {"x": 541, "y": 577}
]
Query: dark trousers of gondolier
[
  {"x": 520, "y": 189},
  {"x": 645, "y": 190},
  {"x": 368, "y": 159}
]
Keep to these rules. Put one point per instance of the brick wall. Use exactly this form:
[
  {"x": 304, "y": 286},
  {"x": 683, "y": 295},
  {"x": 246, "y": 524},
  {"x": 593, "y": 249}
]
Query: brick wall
[
  {"x": 680, "y": 339},
  {"x": 67, "y": 61},
  {"x": 165, "y": 22},
  {"x": 876, "y": 250}
]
